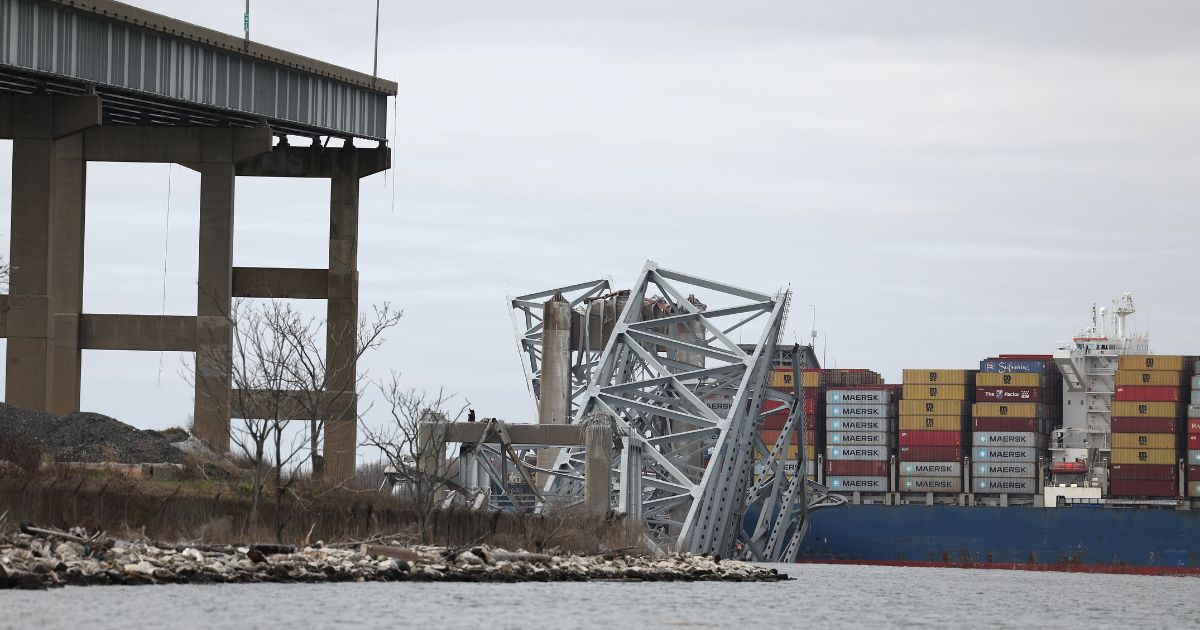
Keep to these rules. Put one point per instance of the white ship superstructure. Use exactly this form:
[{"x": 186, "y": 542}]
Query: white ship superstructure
[{"x": 1080, "y": 449}]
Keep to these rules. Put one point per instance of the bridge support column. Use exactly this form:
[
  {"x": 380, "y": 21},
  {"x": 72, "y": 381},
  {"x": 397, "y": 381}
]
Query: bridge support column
[
  {"x": 341, "y": 372},
  {"x": 214, "y": 297},
  {"x": 48, "y": 177}
]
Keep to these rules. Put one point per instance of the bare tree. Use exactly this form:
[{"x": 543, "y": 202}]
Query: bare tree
[
  {"x": 280, "y": 373},
  {"x": 413, "y": 442}
]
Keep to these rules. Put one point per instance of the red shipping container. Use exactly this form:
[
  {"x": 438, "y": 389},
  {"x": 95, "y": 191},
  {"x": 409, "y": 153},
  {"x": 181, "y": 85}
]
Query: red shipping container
[
  {"x": 1193, "y": 425},
  {"x": 856, "y": 469},
  {"x": 1193, "y": 441},
  {"x": 1193, "y": 473},
  {"x": 1144, "y": 393},
  {"x": 1021, "y": 425},
  {"x": 930, "y": 453},
  {"x": 1008, "y": 394},
  {"x": 1166, "y": 472},
  {"x": 770, "y": 436},
  {"x": 930, "y": 438},
  {"x": 1143, "y": 488},
  {"x": 1143, "y": 425}
]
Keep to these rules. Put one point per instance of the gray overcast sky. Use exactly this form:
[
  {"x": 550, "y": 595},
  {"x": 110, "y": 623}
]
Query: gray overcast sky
[{"x": 943, "y": 180}]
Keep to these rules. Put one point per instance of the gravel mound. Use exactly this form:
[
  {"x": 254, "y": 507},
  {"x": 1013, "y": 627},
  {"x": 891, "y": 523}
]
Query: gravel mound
[{"x": 87, "y": 437}]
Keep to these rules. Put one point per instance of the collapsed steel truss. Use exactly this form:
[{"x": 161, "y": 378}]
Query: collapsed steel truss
[{"x": 686, "y": 401}]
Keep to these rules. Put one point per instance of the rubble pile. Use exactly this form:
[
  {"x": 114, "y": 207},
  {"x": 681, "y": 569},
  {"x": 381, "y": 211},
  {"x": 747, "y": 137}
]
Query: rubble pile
[{"x": 38, "y": 558}]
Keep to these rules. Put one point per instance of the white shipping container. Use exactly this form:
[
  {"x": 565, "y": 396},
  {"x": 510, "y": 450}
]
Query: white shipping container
[{"x": 857, "y": 484}]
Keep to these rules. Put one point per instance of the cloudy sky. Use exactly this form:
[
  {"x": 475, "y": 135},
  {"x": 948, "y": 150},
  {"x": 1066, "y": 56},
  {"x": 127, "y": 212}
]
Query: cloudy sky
[{"x": 943, "y": 181}]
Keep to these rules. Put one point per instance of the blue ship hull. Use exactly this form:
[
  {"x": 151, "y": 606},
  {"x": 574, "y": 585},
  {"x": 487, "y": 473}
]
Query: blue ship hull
[{"x": 1128, "y": 540}]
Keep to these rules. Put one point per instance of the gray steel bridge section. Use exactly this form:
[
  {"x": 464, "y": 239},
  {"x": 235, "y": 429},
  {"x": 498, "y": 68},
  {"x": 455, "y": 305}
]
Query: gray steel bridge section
[{"x": 155, "y": 70}]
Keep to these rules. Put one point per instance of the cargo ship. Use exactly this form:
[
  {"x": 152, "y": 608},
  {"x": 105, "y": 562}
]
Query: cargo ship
[{"x": 1087, "y": 459}]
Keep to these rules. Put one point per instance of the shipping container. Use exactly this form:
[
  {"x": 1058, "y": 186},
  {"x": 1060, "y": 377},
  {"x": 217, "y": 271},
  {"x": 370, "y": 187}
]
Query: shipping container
[
  {"x": 1144, "y": 425},
  {"x": 930, "y": 438},
  {"x": 1193, "y": 441},
  {"x": 931, "y": 484},
  {"x": 1008, "y": 366},
  {"x": 1127, "y": 409},
  {"x": 1166, "y": 379},
  {"x": 782, "y": 378},
  {"x": 1005, "y": 454},
  {"x": 860, "y": 424},
  {"x": 1005, "y": 485},
  {"x": 931, "y": 453},
  {"x": 917, "y": 422},
  {"x": 1151, "y": 362},
  {"x": 1144, "y": 393},
  {"x": 935, "y": 392},
  {"x": 992, "y": 379},
  {"x": 857, "y": 453},
  {"x": 1026, "y": 439},
  {"x": 939, "y": 377},
  {"x": 1193, "y": 488},
  {"x": 1193, "y": 457},
  {"x": 771, "y": 436},
  {"x": 793, "y": 452},
  {"x": 934, "y": 407},
  {"x": 1023, "y": 425},
  {"x": 1007, "y": 410},
  {"x": 1143, "y": 456},
  {"x": 1010, "y": 394},
  {"x": 1193, "y": 411},
  {"x": 873, "y": 438},
  {"x": 1143, "y": 440},
  {"x": 931, "y": 469},
  {"x": 851, "y": 468},
  {"x": 811, "y": 378},
  {"x": 1193, "y": 425},
  {"x": 860, "y": 411},
  {"x": 1196, "y": 379},
  {"x": 1144, "y": 471},
  {"x": 1195, "y": 397},
  {"x": 1142, "y": 488},
  {"x": 1004, "y": 469},
  {"x": 857, "y": 484},
  {"x": 1193, "y": 472},
  {"x": 862, "y": 396}
]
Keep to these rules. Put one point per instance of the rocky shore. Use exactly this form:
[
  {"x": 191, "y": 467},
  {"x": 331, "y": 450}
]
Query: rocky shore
[{"x": 40, "y": 559}]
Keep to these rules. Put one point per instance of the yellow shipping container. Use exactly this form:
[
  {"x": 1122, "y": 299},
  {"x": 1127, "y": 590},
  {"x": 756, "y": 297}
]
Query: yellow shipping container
[
  {"x": 933, "y": 407},
  {"x": 1126, "y": 409},
  {"x": 781, "y": 378},
  {"x": 917, "y": 376},
  {"x": 1006, "y": 410},
  {"x": 936, "y": 392},
  {"x": 918, "y": 422},
  {"x": 996, "y": 379},
  {"x": 810, "y": 452},
  {"x": 1151, "y": 362},
  {"x": 1143, "y": 440},
  {"x": 793, "y": 452},
  {"x": 1143, "y": 456},
  {"x": 1161, "y": 378},
  {"x": 811, "y": 379}
]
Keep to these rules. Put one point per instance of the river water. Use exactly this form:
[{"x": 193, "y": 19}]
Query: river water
[{"x": 821, "y": 596}]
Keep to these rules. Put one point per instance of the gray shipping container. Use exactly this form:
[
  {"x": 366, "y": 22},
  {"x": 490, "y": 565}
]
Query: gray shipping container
[
  {"x": 1006, "y": 438},
  {"x": 860, "y": 411},
  {"x": 1194, "y": 411},
  {"x": 1193, "y": 458},
  {"x": 1004, "y": 454},
  {"x": 857, "y": 484},
  {"x": 859, "y": 453},
  {"x": 1005, "y": 485},
  {"x": 859, "y": 396},
  {"x": 931, "y": 469},
  {"x": 1195, "y": 398},
  {"x": 861, "y": 424},
  {"x": 874, "y": 438},
  {"x": 1006, "y": 469},
  {"x": 931, "y": 484}
]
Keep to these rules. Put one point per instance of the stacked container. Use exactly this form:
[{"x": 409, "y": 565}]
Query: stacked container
[
  {"x": 860, "y": 430},
  {"x": 1147, "y": 416},
  {"x": 1193, "y": 436},
  {"x": 933, "y": 422},
  {"x": 1019, "y": 401}
]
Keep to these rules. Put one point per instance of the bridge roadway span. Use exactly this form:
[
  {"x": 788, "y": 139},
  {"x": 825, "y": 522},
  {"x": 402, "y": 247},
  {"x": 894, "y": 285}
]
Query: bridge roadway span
[{"x": 96, "y": 80}]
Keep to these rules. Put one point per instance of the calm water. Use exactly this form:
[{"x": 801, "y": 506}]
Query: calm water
[{"x": 822, "y": 596}]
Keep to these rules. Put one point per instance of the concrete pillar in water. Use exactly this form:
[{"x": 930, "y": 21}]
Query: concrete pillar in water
[
  {"x": 597, "y": 467},
  {"x": 554, "y": 403}
]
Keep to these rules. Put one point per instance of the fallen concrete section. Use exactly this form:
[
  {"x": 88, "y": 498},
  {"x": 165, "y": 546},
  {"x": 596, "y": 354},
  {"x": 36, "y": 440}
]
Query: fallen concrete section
[{"x": 37, "y": 559}]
